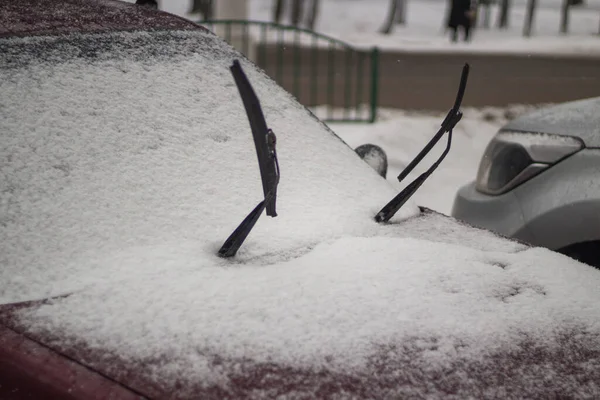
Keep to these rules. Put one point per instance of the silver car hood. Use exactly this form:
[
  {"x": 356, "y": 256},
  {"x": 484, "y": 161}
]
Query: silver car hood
[{"x": 577, "y": 118}]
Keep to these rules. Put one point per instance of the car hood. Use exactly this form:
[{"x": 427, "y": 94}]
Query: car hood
[
  {"x": 127, "y": 160},
  {"x": 578, "y": 118},
  {"x": 362, "y": 317}
]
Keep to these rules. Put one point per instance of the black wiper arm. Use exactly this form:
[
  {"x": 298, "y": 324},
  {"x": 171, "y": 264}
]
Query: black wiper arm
[
  {"x": 397, "y": 202},
  {"x": 269, "y": 171},
  {"x": 265, "y": 144},
  {"x": 450, "y": 121},
  {"x": 448, "y": 124},
  {"x": 236, "y": 239}
]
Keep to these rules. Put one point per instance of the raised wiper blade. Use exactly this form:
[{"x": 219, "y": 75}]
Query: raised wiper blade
[
  {"x": 401, "y": 198},
  {"x": 450, "y": 121},
  {"x": 269, "y": 172},
  {"x": 265, "y": 145}
]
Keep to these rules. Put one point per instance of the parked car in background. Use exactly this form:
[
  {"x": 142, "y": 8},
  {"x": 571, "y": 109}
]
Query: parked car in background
[
  {"x": 539, "y": 181},
  {"x": 128, "y": 166}
]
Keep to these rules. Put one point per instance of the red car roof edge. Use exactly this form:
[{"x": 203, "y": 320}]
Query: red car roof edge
[
  {"x": 158, "y": 20},
  {"x": 29, "y": 369},
  {"x": 192, "y": 24}
]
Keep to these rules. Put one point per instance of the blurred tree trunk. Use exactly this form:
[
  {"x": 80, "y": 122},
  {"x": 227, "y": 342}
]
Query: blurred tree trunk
[
  {"x": 277, "y": 10},
  {"x": 487, "y": 13},
  {"x": 196, "y": 6},
  {"x": 401, "y": 12},
  {"x": 528, "y": 27},
  {"x": 297, "y": 9},
  {"x": 564, "y": 16},
  {"x": 204, "y": 7},
  {"x": 447, "y": 16},
  {"x": 313, "y": 14},
  {"x": 503, "y": 15},
  {"x": 391, "y": 16}
]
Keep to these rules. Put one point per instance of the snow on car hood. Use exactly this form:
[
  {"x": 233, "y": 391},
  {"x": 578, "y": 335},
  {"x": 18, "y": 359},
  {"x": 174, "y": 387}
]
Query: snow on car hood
[
  {"x": 576, "y": 118},
  {"x": 123, "y": 173}
]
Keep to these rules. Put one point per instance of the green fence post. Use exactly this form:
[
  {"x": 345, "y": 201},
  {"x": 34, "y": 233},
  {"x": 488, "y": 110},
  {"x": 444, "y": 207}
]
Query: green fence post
[
  {"x": 262, "y": 59},
  {"x": 296, "y": 67},
  {"x": 346, "y": 86},
  {"x": 228, "y": 32},
  {"x": 330, "y": 81},
  {"x": 360, "y": 79},
  {"x": 280, "y": 47},
  {"x": 347, "y": 83},
  {"x": 246, "y": 40},
  {"x": 314, "y": 64},
  {"x": 374, "y": 82}
]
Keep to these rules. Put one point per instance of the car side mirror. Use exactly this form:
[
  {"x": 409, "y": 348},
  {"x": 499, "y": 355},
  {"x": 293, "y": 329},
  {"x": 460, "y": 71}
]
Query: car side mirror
[{"x": 374, "y": 156}]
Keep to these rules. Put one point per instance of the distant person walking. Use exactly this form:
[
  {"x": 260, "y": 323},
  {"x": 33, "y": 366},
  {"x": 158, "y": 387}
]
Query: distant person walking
[{"x": 462, "y": 15}]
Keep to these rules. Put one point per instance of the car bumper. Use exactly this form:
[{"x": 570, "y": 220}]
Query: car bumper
[{"x": 501, "y": 214}]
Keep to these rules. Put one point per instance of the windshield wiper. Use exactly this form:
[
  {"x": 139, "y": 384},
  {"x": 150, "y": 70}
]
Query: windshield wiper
[
  {"x": 452, "y": 118},
  {"x": 264, "y": 142}
]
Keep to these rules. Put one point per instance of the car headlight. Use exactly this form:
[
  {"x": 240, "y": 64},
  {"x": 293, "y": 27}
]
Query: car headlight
[{"x": 512, "y": 158}]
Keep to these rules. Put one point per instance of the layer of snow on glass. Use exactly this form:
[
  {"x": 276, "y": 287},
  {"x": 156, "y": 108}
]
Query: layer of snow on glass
[{"x": 119, "y": 149}]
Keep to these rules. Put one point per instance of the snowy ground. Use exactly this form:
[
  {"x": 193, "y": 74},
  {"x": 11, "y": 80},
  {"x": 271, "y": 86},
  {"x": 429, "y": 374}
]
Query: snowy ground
[
  {"x": 358, "y": 22},
  {"x": 403, "y": 134}
]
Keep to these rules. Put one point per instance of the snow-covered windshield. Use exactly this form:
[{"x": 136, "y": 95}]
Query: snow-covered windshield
[{"x": 124, "y": 140}]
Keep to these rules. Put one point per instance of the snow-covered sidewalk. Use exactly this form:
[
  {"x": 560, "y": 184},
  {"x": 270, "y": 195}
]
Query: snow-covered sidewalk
[{"x": 359, "y": 22}]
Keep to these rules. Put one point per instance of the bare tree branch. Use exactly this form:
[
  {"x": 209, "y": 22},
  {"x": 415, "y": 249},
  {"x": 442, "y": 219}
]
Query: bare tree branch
[
  {"x": 503, "y": 15},
  {"x": 313, "y": 14},
  {"x": 204, "y": 7},
  {"x": 528, "y": 26},
  {"x": 401, "y": 12},
  {"x": 297, "y": 10},
  {"x": 564, "y": 16},
  {"x": 277, "y": 10}
]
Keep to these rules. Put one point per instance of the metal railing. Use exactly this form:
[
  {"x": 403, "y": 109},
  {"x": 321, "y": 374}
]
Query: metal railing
[{"x": 339, "y": 82}]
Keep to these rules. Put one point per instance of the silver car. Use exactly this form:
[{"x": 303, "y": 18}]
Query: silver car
[{"x": 539, "y": 181}]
